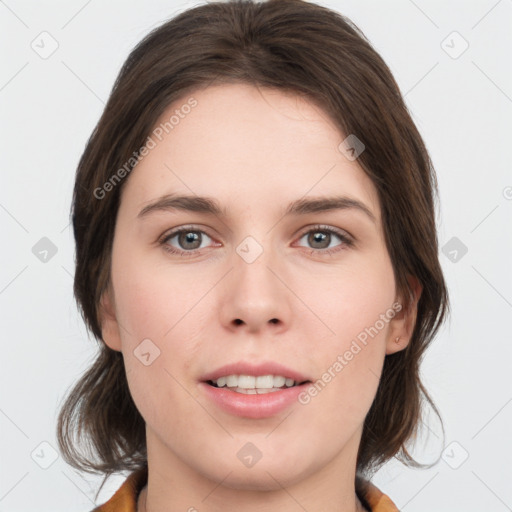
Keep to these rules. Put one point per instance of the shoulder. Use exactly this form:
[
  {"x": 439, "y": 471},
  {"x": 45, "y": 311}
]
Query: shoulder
[
  {"x": 125, "y": 498},
  {"x": 375, "y": 499}
]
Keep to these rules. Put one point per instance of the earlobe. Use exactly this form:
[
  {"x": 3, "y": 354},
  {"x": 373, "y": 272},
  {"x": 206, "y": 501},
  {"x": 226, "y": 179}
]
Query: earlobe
[
  {"x": 402, "y": 325},
  {"x": 108, "y": 321}
]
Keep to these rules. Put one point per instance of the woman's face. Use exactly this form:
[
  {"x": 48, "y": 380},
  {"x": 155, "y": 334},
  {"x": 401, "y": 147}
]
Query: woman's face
[{"x": 295, "y": 291}]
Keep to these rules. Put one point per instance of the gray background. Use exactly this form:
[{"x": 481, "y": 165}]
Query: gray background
[{"x": 461, "y": 101}]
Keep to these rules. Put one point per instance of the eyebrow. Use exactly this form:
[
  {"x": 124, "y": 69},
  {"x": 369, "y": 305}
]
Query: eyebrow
[{"x": 210, "y": 206}]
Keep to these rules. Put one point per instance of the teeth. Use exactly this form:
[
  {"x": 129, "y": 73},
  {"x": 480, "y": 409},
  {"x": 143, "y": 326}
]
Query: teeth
[
  {"x": 264, "y": 381},
  {"x": 246, "y": 381},
  {"x": 255, "y": 391},
  {"x": 279, "y": 381},
  {"x": 251, "y": 385},
  {"x": 231, "y": 381}
]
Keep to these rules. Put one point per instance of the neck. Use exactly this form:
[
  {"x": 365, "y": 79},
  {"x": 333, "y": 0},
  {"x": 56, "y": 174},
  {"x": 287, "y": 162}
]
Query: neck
[
  {"x": 142, "y": 503},
  {"x": 174, "y": 485}
]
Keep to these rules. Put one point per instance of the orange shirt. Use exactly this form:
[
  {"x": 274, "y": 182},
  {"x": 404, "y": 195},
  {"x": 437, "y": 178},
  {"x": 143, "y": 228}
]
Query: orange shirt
[{"x": 125, "y": 499}]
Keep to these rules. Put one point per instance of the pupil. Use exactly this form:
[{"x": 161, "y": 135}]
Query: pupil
[
  {"x": 189, "y": 237},
  {"x": 318, "y": 237}
]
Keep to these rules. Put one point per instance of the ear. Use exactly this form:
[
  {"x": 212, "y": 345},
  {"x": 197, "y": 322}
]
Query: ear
[
  {"x": 108, "y": 320},
  {"x": 402, "y": 324}
]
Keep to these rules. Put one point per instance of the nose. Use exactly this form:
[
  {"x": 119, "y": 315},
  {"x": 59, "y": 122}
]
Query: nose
[{"x": 254, "y": 296}]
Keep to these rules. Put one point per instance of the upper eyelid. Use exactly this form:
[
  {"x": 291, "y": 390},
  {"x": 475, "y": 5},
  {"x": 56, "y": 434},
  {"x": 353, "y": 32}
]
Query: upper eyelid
[
  {"x": 325, "y": 227},
  {"x": 175, "y": 231}
]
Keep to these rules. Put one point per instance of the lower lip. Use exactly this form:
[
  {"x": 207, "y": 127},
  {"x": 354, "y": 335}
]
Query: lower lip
[{"x": 253, "y": 406}]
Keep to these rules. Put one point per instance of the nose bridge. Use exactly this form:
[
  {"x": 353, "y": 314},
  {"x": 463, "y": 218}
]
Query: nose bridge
[
  {"x": 254, "y": 295},
  {"x": 253, "y": 278}
]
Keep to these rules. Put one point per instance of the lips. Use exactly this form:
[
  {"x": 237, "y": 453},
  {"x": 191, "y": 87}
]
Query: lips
[{"x": 253, "y": 406}]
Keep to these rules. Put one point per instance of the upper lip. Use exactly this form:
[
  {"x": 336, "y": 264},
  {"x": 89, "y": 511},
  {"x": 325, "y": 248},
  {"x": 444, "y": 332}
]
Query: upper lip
[{"x": 246, "y": 368}]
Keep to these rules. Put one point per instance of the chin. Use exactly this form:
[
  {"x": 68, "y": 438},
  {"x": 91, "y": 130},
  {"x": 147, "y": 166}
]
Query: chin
[
  {"x": 260, "y": 477},
  {"x": 259, "y": 481}
]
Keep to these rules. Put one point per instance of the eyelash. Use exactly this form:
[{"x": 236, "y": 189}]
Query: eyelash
[{"x": 346, "y": 241}]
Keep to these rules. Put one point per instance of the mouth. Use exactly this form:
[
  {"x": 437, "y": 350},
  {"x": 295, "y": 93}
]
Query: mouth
[
  {"x": 255, "y": 390},
  {"x": 255, "y": 385}
]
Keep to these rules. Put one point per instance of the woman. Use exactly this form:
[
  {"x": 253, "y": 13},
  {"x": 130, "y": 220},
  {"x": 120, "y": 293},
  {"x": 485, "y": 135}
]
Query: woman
[{"x": 257, "y": 257}]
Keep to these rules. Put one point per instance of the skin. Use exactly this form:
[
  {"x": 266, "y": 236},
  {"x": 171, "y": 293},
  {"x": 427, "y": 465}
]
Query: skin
[{"x": 254, "y": 150}]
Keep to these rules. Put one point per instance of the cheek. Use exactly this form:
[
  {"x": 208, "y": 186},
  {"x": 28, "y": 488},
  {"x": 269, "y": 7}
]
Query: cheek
[
  {"x": 151, "y": 300},
  {"x": 352, "y": 300},
  {"x": 159, "y": 325},
  {"x": 159, "y": 345},
  {"x": 357, "y": 308}
]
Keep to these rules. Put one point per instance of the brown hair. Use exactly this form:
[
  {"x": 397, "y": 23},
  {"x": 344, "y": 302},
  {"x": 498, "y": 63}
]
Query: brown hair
[{"x": 291, "y": 45}]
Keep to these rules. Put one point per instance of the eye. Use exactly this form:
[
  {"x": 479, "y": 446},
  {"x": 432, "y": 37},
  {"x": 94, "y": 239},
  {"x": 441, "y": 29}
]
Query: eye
[
  {"x": 320, "y": 238},
  {"x": 189, "y": 241}
]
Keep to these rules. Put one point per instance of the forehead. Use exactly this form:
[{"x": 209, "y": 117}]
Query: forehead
[{"x": 242, "y": 144}]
